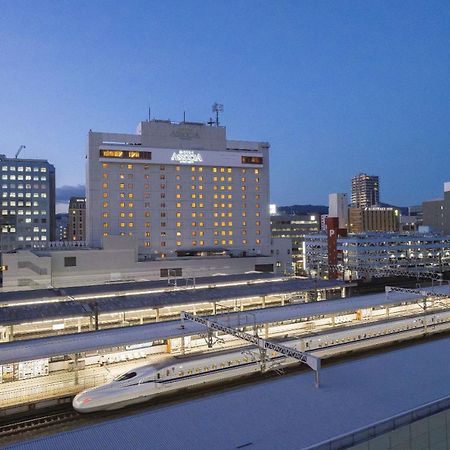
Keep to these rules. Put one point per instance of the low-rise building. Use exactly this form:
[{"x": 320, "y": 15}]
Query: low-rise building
[
  {"x": 373, "y": 219},
  {"x": 77, "y": 219}
]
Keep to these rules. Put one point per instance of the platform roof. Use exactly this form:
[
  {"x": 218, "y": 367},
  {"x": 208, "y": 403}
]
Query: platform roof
[
  {"x": 15, "y": 314},
  {"x": 24, "y": 350},
  {"x": 285, "y": 412},
  {"x": 116, "y": 287}
]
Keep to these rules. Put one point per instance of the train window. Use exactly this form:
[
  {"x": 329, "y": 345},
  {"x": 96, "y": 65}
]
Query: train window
[
  {"x": 180, "y": 373},
  {"x": 158, "y": 375},
  {"x": 125, "y": 376},
  {"x": 197, "y": 369},
  {"x": 189, "y": 372},
  {"x": 167, "y": 372},
  {"x": 229, "y": 363}
]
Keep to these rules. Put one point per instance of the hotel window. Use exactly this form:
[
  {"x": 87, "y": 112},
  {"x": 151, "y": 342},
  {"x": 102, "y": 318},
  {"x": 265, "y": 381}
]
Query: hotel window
[
  {"x": 130, "y": 205},
  {"x": 178, "y": 243},
  {"x": 147, "y": 234},
  {"x": 122, "y": 204},
  {"x": 162, "y": 177},
  {"x": 216, "y": 214},
  {"x": 122, "y": 185},
  {"x": 200, "y": 169},
  {"x": 146, "y": 186},
  {"x": 162, "y": 167},
  {"x": 257, "y": 179},
  {"x": 215, "y": 187},
  {"x": 178, "y": 204},
  {"x": 178, "y": 224},
  {"x": 130, "y": 224},
  {"x": 105, "y": 234},
  {"x": 258, "y": 241},
  {"x": 147, "y": 225},
  {"x": 105, "y": 204},
  {"x": 244, "y": 214},
  {"x": 223, "y": 224},
  {"x": 194, "y": 243},
  {"x": 200, "y": 187},
  {"x": 193, "y": 196},
  {"x": 178, "y": 215},
  {"x": 223, "y": 233},
  {"x": 257, "y": 206},
  {"x": 177, "y": 168},
  {"x": 130, "y": 185},
  {"x": 216, "y": 224},
  {"x": 214, "y": 169},
  {"x": 258, "y": 223},
  {"x": 192, "y": 169},
  {"x": 258, "y": 231},
  {"x": 243, "y": 179},
  {"x": 178, "y": 178},
  {"x": 224, "y": 242},
  {"x": 193, "y": 233},
  {"x": 162, "y": 205},
  {"x": 104, "y": 165},
  {"x": 178, "y": 187},
  {"x": 222, "y": 169},
  {"x": 216, "y": 242},
  {"x": 105, "y": 224},
  {"x": 258, "y": 214},
  {"x": 244, "y": 241},
  {"x": 163, "y": 244},
  {"x": 122, "y": 214},
  {"x": 130, "y": 195},
  {"x": 230, "y": 242},
  {"x": 201, "y": 224},
  {"x": 244, "y": 232},
  {"x": 256, "y": 188},
  {"x": 201, "y": 233},
  {"x": 105, "y": 214},
  {"x": 193, "y": 205},
  {"x": 162, "y": 186},
  {"x": 121, "y": 176},
  {"x": 178, "y": 196},
  {"x": 163, "y": 214},
  {"x": 193, "y": 186},
  {"x": 105, "y": 175},
  {"x": 130, "y": 214},
  {"x": 256, "y": 171},
  {"x": 230, "y": 196},
  {"x": 193, "y": 224},
  {"x": 163, "y": 224},
  {"x": 105, "y": 195},
  {"x": 105, "y": 185},
  {"x": 163, "y": 195},
  {"x": 130, "y": 166},
  {"x": 194, "y": 214},
  {"x": 222, "y": 188},
  {"x": 146, "y": 244},
  {"x": 122, "y": 224}
]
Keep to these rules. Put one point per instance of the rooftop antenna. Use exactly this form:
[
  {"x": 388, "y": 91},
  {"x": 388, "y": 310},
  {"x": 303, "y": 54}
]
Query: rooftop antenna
[
  {"x": 184, "y": 116},
  {"x": 18, "y": 151},
  {"x": 149, "y": 113},
  {"x": 217, "y": 108},
  {"x": 210, "y": 122}
]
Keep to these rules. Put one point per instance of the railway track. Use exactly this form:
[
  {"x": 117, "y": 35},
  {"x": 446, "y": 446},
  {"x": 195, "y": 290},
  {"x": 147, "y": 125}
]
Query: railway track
[
  {"x": 36, "y": 423},
  {"x": 67, "y": 418}
]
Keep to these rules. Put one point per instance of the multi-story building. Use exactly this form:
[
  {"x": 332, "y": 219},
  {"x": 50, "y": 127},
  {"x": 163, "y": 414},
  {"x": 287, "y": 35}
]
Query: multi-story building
[
  {"x": 338, "y": 207},
  {"x": 374, "y": 218},
  {"x": 436, "y": 213},
  {"x": 62, "y": 221},
  {"x": 365, "y": 190},
  {"x": 28, "y": 203},
  {"x": 76, "y": 228},
  {"x": 295, "y": 227},
  {"x": 363, "y": 254},
  {"x": 179, "y": 189}
]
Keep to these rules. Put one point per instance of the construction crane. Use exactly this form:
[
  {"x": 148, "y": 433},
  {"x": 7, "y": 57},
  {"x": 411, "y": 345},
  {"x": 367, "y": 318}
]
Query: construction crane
[{"x": 18, "y": 151}]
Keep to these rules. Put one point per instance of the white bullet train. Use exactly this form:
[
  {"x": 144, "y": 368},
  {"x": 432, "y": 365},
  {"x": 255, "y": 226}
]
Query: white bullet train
[{"x": 179, "y": 373}]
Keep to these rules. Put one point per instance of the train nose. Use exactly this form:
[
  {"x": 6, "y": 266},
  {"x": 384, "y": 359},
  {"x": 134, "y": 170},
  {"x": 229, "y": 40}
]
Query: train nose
[{"x": 83, "y": 403}]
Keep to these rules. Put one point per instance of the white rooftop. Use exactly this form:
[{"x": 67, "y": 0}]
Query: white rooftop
[{"x": 285, "y": 413}]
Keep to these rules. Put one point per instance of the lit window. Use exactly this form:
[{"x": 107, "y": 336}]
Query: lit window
[
  {"x": 130, "y": 224},
  {"x": 105, "y": 185},
  {"x": 105, "y": 204},
  {"x": 178, "y": 187},
  {"x": 105, "y": 224},
  {"x": 105, "y": 195},
  {"x": 105, "y": 165}
]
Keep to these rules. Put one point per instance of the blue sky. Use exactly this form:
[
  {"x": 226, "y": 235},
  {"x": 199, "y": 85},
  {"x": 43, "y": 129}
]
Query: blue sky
[{"x": 336, "y": 87}]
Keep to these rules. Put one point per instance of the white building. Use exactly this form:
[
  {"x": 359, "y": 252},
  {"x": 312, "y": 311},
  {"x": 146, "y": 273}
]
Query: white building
[
  {"x": 179, "y": 188},
  {"x": 338, "y": 207}
]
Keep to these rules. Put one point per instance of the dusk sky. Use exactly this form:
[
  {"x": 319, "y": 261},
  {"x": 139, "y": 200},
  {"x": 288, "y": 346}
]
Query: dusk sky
[{"x": 336, "y": 87}]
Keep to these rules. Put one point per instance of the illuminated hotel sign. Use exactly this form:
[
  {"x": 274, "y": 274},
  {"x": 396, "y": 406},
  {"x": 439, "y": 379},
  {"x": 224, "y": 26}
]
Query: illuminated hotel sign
[{"x": 186, "y": 157}]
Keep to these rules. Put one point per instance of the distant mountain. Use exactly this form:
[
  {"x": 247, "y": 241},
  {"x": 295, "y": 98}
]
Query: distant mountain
[{"x": 303, "y": 209}]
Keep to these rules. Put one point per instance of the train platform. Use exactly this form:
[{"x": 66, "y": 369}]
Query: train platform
[
  {"x": 397, "y": 304},
  {"x": 287, "y": 412}
]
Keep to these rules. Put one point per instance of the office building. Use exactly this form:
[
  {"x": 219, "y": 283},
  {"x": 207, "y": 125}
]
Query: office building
[
  {"x": 179, "y": 189},
  {"x": 295, "y": 227},
  {"x": 436, "y": 213},
  {"x": 76, "y": 229},
  {"x": 365, "y": 191},
  {"x": 28, "y": 203},
  {"x": 338, "y": 207},
  {"x": 62, "y": 221},
  {"x": 375, "y": 218}
]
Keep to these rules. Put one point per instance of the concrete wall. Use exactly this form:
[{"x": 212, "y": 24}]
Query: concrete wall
[
  {"x": 119, "y": 261},
  {"x": 433, "y": 214}
]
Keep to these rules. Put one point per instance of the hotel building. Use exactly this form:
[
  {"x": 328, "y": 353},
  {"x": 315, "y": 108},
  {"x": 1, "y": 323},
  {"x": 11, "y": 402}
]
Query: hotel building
[{"x": 179, "y": 189}]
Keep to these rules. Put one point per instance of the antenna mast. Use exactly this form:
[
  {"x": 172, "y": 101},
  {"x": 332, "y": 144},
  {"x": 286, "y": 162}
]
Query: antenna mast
[{"x": 217, "y": 107}]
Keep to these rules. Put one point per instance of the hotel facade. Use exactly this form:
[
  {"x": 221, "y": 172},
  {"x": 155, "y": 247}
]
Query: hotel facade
[{"x": 179, "y": 189}]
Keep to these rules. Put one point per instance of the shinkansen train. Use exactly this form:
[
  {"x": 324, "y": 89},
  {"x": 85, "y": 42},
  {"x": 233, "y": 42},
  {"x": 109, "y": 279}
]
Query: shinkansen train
[{"x": 179, "y": 373}]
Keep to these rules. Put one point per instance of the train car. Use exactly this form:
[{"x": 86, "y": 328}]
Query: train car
[{"x": 179, "y": 373}]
